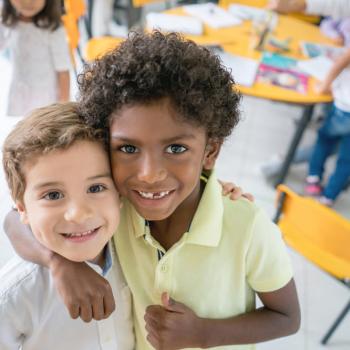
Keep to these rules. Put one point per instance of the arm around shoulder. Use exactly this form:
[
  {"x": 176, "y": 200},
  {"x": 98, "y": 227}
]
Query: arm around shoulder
[{"x": 23, "y": 241}]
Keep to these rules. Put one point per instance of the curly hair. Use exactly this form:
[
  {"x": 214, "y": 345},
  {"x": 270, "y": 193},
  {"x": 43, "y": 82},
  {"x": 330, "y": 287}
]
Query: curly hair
[
  {"x": 151, "y": 66},
  {"x": 48, "y": 18}
]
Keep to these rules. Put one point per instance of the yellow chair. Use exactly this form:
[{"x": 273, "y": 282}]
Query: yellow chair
[
  {"x": 95, "y": 47},
  {"x": 263, "y": 3},
  {"x": 319, "y": 234}
]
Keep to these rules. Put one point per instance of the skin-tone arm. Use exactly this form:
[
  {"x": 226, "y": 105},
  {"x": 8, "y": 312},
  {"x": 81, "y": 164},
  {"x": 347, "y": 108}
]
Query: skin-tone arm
[
  {"x": 175, "y": 326},
  {"x": 85, "y": 293},
  {"x": 63, "y": 86},
  {"x": 286, "y": 6},
  {"x": 339, "y": 65}
]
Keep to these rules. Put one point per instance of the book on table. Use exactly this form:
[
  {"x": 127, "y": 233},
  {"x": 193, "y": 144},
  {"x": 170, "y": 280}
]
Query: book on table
[{"x": 282, "y": 71}]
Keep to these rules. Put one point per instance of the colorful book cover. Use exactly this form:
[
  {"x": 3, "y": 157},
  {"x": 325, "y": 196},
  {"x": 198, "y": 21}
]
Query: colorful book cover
[
  {"x": 313, "y": 50},
  {"x": 282, "y": 71},
  {"x": 288, "y": 79},
  {"x": 278, "y": 61}
]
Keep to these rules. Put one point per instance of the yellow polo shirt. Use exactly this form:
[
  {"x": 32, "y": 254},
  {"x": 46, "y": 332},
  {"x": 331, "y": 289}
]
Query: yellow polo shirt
[{"x": 231, "y": 250}]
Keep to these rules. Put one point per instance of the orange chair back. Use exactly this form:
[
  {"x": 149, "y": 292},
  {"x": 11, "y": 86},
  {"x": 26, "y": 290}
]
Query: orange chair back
[
  {"x": 72, "y": 32},
  {"x": 76, "y": 8},
  {"x": 317, "y": 232}
]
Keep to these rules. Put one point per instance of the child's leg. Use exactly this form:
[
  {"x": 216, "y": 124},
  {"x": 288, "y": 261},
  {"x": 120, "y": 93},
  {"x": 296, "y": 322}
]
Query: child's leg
[
  {"x": 341, "y": 175},
  {"x": 325, "y": 145}
]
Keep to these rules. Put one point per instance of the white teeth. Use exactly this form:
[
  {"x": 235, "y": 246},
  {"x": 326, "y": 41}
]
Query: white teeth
[
  {"x": 80, "y": 234},
  {"x": 153, "y": 195}
]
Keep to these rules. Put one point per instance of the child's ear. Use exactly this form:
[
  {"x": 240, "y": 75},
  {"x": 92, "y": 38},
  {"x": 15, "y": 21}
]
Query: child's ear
[
  {"x": 212, "y": 151},
  {"x": 22, "y": 213}
]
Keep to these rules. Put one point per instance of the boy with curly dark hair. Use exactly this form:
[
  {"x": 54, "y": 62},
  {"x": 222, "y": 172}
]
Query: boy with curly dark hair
[{"x": 193, "y": 259}]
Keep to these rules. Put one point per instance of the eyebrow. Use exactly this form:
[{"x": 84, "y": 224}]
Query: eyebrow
[
  {"x": 57, "y": 183},
  {"x": 166, "y": 141}
]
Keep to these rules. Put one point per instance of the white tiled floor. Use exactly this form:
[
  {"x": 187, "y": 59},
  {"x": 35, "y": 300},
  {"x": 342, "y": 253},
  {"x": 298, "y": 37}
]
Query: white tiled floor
[{"x": 265, "y": 129}]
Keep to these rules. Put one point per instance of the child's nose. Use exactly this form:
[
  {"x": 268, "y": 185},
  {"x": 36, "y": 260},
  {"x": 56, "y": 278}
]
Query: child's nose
[
  {"x": 78, "y": 211},
  {"x": 151, "y": 170}
]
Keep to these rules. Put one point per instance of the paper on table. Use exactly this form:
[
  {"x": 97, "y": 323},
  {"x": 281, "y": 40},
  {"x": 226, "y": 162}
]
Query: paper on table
[
  {"x": 243, "y": 70},
  {"x": 212, "y": 15},
  {"x": 317, "y": 67},
  {"x": 246, "y": 12},
  {"x": 174, "y": 23}
]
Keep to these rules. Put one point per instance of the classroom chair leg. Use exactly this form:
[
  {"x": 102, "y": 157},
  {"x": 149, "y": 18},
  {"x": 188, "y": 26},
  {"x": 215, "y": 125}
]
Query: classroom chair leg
[{"x": 336, "y": 324}]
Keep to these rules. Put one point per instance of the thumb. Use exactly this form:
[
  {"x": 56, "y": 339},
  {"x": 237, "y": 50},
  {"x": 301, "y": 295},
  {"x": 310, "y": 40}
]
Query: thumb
[{"x": 172, "y": 305}]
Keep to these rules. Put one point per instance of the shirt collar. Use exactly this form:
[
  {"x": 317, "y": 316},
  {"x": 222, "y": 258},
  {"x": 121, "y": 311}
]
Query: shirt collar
[
  {"x": 108, "y": 255},
  {"x": 206, "y": 225}
]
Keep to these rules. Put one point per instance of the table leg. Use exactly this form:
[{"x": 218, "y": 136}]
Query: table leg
[
  {"x": 88, "y": 18},
  {"x": 299, "y": 131},
  {"x": 133, "y": 14}
]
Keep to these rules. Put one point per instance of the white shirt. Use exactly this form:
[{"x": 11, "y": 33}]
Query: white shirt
[
  {"x": 333, "y": 8},
  {"x": 37, "y": 55},
  {"x": 33, "y": 316}
]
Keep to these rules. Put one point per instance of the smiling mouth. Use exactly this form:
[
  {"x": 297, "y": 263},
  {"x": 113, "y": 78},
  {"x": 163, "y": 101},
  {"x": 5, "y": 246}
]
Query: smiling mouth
[
  {"x": 80, "y": 234},
  {"x": 154, "y": 195}
]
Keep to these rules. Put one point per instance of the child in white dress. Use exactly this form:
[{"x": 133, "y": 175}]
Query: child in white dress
[{"x": 39, "y": 53}]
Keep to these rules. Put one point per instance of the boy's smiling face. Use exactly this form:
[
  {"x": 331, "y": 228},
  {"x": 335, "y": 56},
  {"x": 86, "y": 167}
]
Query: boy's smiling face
[
  {"x": 70, "y": 201},
  {"x": 157, "y": 159}
]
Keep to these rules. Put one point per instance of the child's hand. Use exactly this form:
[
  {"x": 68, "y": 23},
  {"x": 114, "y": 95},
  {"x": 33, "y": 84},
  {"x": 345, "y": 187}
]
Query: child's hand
[
  {"x": 322, "y": 88},
  {"x": 172, "y": 326},
  {"x": 84, "y": 292},
  {"x": 234, "y": 191}
]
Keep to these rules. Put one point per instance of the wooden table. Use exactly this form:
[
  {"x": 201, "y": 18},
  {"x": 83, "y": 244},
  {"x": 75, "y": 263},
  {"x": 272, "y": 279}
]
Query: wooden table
[{"x": 237, "y": 40}]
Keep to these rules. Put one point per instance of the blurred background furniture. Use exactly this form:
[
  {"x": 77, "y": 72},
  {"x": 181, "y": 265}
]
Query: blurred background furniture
[{"x": 320, "y": 235}]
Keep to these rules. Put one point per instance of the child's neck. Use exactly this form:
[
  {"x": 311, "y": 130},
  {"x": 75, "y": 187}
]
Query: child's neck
[
  {"x": 25, "y": 19},
  {"x": 170, "y": 230}
]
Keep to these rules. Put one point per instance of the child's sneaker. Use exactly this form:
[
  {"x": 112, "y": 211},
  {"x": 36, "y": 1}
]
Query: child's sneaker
[
  {"x": 313, "y": 186},
  {"x": 326, "y": 201}
]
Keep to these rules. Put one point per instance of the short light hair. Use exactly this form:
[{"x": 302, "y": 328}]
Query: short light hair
[{"x": 44, "y": 130}]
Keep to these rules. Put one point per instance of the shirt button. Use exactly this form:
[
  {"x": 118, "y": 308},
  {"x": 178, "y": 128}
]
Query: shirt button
[{"x": 164, "y": 268}]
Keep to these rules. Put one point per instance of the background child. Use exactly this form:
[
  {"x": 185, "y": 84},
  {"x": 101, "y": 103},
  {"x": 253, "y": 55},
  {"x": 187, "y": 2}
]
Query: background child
[
  {"x": 59, "y": 175},
  {"x": 39, "y": 53},
  {"x": 335, "y": 132}
]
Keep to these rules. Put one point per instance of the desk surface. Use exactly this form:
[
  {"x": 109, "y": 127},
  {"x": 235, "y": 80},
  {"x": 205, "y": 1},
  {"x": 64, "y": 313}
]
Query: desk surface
[{"x": 237, "y": 40}]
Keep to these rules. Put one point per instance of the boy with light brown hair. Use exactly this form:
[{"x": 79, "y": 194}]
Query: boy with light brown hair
[{"x": 58, "y": 172}]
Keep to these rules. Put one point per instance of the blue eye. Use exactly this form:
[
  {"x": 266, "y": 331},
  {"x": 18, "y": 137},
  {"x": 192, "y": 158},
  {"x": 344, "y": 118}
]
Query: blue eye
[
  {"x": 96, "y": 188},
  {"x": 128, "y": 149},
  {"x": 176, "y": 149},
  {"x": 53, "y": 196}
]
